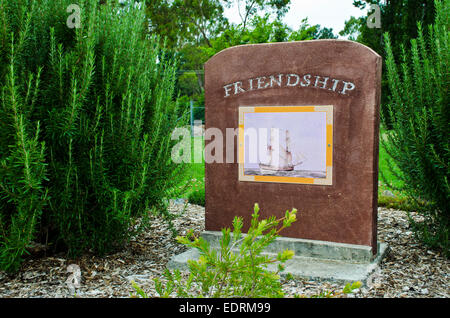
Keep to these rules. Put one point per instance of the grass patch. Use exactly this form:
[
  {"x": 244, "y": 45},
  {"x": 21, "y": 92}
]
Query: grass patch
[
  {"x": 197, "y": 197},
  {"x": 195, "y": 176},
  {"x": 388, "y": 194},
  {"x": 398, "y": 203},
  {"x": 386, "y": 176}
]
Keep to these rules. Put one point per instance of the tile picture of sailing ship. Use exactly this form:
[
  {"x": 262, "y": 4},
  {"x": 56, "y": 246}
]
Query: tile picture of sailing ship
[{"x": 290, "y": 144}]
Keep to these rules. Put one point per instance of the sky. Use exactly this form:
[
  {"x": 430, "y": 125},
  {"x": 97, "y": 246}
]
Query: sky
[{"x": 327, "y": 13}]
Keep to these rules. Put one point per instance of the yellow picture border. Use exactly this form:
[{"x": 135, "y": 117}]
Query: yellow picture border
[{"x": 328, "y": 109}]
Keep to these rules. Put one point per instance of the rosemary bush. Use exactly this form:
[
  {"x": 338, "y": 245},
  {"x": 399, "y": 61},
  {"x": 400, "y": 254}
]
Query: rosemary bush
[
  {"x": 420, "y": 114},
  {"x": 86, "y": 116}
]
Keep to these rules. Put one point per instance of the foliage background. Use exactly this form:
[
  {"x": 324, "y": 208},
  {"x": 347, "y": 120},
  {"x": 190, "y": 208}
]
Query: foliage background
[{"x": 420, "y": 116}]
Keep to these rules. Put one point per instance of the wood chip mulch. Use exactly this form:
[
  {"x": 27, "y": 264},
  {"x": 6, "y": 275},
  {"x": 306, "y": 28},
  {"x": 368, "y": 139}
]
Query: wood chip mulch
[{"x": 409, "y": 270}]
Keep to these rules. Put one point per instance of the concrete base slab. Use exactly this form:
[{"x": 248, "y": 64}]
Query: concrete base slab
[{"x": 313, "y": 260}]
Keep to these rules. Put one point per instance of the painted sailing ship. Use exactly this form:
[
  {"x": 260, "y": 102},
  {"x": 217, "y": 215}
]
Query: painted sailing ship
[{"x": 284, "y": 162}]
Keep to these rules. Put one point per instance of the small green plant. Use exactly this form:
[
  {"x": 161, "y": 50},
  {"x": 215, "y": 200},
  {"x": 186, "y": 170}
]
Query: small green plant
[
  {"x": 139, "y": 291},
  {"x": 237, "y": 268},
  {"x": 348, "y": 289},
  {"x": 197, "y": 197}
]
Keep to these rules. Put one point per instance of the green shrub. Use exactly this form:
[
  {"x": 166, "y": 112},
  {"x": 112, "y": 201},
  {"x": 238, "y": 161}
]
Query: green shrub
[
  {"x": 197, "y": 197},
  {"x": 420, "y": 115},
  {"x": 237, "y": 269},
  {"x": 86, "y": 116}
]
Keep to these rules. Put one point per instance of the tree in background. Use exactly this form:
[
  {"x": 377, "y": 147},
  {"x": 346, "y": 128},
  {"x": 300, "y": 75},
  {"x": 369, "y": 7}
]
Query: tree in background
[
  {"x": 186, "y": 21},
  {"x": 264, "y": 30},
  {"x": 399, "y": 18},
  {"x": 248, "y": 9},
  {"x": 197, "y": 21},
  {"x": 197, "y": 29}
]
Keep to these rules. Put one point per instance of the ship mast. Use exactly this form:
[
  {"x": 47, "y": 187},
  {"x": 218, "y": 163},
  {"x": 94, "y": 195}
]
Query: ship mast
[
  {"x": 288, "y": 141},
  {"x": 270, "y": 145},
  {"x": 288, "y": 151}
]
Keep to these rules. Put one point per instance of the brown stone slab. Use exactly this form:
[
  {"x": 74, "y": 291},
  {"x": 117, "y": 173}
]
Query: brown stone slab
[{"x": 343, "y": 74}]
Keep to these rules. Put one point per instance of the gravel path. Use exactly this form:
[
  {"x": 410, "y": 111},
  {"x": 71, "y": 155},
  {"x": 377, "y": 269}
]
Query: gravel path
[{"x": 409, "y": 269}]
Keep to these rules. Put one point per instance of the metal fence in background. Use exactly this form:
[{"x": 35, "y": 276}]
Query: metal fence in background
[{"x": 197, "y": 125}]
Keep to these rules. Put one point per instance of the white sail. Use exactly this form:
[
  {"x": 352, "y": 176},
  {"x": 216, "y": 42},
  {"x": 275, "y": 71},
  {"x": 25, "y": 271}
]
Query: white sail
[{"x": 280, "y": 158}]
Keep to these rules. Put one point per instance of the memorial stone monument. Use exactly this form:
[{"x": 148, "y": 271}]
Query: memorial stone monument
[{"x": 303, "y": 118}]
